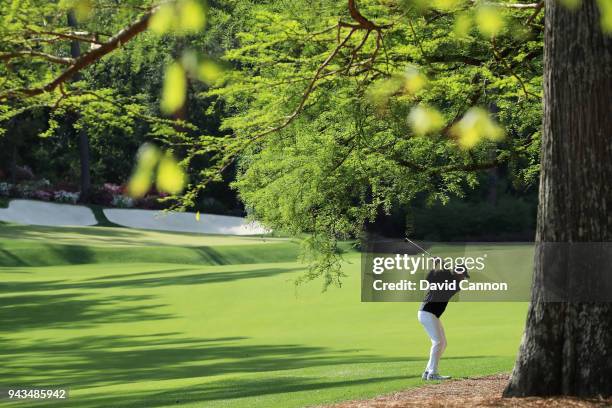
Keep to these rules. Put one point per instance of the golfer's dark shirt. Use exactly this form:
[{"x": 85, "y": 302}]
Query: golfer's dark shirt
[{"x": 436, "y": 300}]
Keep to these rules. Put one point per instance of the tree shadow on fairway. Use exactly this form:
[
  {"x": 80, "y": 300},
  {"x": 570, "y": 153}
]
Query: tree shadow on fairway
[
  {"x": 165, "y": 277},
  {"x": 51, "y": 253},
  {"x": 230, "y": 389},
  {"x": 93, "y": 361},
  {"x": 7, "y": 257},
  {"x": 53, "y": 311},
  {"x": 105, "y": 360},
  {"x": 45, "y": 255},
  {"x": 19, "y": 231}
]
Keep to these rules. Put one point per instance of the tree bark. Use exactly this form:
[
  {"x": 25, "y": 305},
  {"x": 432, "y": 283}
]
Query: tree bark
[
  {"x": 567, "y": 345},
  {"x": 13, "y": 165},
  {"x": 83, "y": 141},
  {"x": 84, "y": 157}
]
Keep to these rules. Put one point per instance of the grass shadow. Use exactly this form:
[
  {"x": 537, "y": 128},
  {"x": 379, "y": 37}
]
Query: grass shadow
[
  {"x": 169, "y": 277},
  {"x": 44, "y": 311}
]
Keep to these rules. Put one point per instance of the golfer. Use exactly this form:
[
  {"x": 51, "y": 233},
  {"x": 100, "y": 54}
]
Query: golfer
[{"x": 429, "y": 314}]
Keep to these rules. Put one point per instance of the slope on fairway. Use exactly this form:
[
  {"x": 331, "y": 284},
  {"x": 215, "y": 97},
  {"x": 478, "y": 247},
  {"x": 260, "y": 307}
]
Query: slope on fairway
[
  {"x": 151, "y": 334},
  {"x": 45, "y": 246}
]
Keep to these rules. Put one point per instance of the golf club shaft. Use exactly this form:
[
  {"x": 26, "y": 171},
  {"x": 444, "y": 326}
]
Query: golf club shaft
[{"x": 417, "y": 245}]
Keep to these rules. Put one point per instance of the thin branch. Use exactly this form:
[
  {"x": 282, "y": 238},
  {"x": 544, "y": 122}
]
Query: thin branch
[
  {"x": 359, "y": 18},
  {"x": 471, "y": 102},
  {"x": 356, "y": 50},
  {"x": 449, "y": 168},
  {"x": 416, "y": 38},
  {"x": 536, "y": 12},
  {"x": 466, "y": 167},
  {"x": 343, "y": 159},
  {"x": 507, "y": 5},
  {"x": 464, "y": 59},
  {"x": 36, "y": 54},
  {"x": 76, "y": 36},
  {"x": 500, "y": 58},
  {"x": 326, "y": 30},
  {"x": 88, "y": 58},
  {"x": 309, "y": 88},
  {"x": 372, "y": 58},
  {"x": 516, "y": 5}
]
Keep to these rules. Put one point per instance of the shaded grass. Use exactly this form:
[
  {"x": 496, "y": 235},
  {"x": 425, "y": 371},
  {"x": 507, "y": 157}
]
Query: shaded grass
[{"x": 42, "y": 254}]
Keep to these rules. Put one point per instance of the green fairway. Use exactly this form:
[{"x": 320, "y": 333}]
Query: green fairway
[{"x": 129, "y": 318}]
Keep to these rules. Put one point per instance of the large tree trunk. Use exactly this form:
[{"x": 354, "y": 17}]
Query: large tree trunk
[
  {"x": 83, "y": 138},
  {"x": 567, "y": 345}
]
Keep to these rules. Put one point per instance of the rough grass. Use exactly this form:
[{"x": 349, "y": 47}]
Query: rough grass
[{"x": 129, "y": 318}]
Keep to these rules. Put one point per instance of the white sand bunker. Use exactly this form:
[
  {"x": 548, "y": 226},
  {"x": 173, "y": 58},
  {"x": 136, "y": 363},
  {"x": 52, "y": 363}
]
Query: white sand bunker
[
  {"x": 42, "y": 213},
  {"x": 183, "y": 222}
]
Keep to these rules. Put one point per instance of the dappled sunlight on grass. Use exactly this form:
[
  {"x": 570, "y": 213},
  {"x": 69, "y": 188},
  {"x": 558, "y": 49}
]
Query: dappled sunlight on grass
[{"x": 213, "y": 330}]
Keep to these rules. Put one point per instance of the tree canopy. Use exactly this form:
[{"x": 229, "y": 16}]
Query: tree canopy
[
  {"x": 331, "y": 112},
  {"x": 337, "y": 116}
]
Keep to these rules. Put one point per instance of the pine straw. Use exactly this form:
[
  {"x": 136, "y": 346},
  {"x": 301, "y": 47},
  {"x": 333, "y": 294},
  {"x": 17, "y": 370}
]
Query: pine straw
[{"x": 469, "y": 392}]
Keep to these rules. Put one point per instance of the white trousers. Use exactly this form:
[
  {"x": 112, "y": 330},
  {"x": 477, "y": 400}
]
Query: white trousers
[{"x": 433, "y": 327}]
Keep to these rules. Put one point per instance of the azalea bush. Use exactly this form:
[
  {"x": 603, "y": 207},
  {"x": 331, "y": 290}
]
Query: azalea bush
[
  {"x": 122, "y": 201},
  {"x": 68, "y": 197},
  {"x": 5, "y": 189}
]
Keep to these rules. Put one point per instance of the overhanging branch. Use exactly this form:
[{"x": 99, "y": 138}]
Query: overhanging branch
[
  {"x": 87, "y": 59},
  {"x": 82, "y": 36},
  {"x": 508, "y": 5},
  {"x": 36, "y": 54}
]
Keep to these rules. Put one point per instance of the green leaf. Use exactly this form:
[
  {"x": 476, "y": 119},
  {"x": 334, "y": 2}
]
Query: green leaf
[
  {"x": 146, "y": 160},
  {"x": 463, "y": 25},
  {"x": 209, "y": 71},
  {"x": 445, "y": 4},
  {"x": 192, "y": 16},
  {"x": 489, "y": 20},
  {"x": 174, "y": 90},
  {"x": 424, "y": 120},
  {"x": 605, "y": 8},
  {"x": 82, "y": 9},
  {"x": 380, "y": 91},
  {"x": 475, "y": 126},
  {"x": 139, "y": 184},
  {"x": 170, "y": 176},
  {"x": 163, "y": 20},
  {"x": 414, "y": 80}
]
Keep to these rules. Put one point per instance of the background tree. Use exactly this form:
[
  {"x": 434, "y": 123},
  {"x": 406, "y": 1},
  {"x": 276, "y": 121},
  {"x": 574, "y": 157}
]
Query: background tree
[
  {"x": 107, "y": 85},
  {"x": 82, "y": 137}
]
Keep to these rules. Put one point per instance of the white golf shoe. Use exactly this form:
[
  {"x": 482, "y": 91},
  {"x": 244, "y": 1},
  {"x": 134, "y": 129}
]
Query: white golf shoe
[{"x": 437, "y": 377}]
